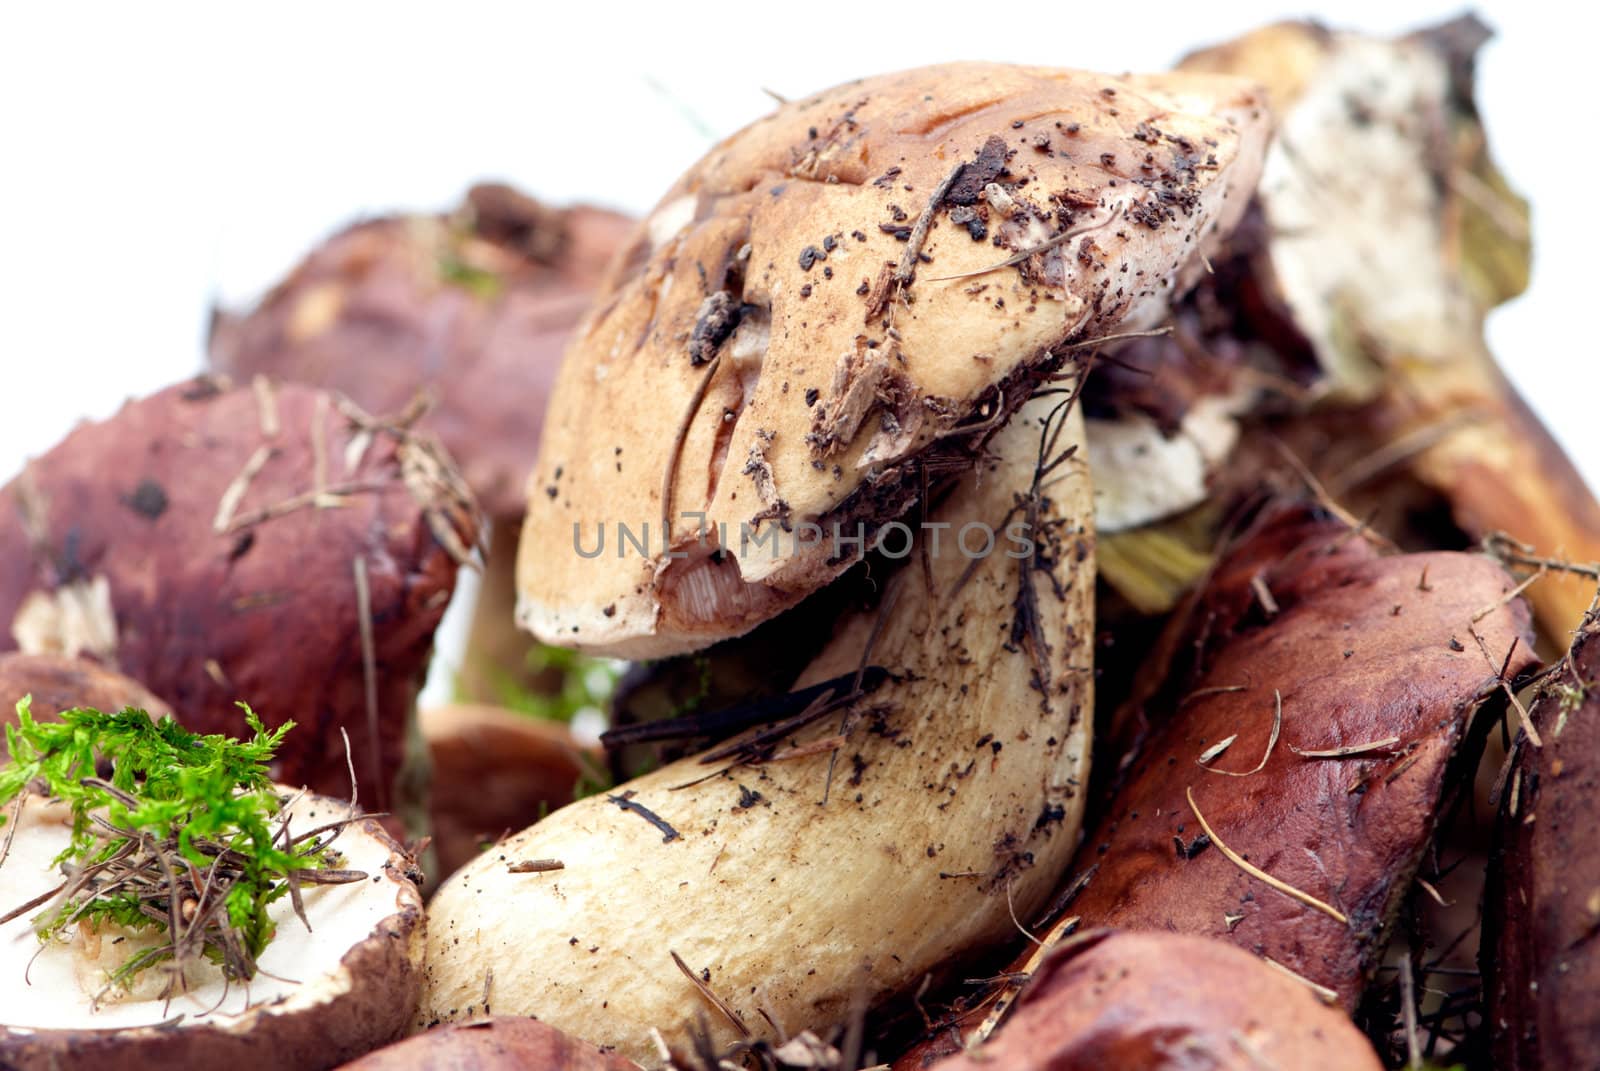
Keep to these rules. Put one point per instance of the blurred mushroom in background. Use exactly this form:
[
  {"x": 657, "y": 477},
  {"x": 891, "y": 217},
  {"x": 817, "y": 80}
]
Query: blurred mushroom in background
[
  {"x": 495, "y": 771},
  {"x": 465, "y": 313},
  {"x": 56, "y": 683},
  {"x": 269, "y": 544},
  {"x": 1338, "y": 343}
]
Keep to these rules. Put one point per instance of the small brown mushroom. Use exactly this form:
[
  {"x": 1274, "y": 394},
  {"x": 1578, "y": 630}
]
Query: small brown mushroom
[
  {"x": 266, "y": 544},
  {"x": 1165, "y": 1002},
  {"x": 472, "y": 308},
  {"x": 494, "y": 772},
  {"x": 499, "y": 1044},
  {"x": 58, "y": 683},
  {"x": 1540, "y": 959},
  {"x": 469, "y": 309}
]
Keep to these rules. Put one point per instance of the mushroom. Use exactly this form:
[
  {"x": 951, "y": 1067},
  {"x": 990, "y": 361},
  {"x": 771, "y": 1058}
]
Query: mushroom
[
  {"x": 1542, "y": 907},
  {"x": 1171, "y": 419},
  {"x": 1342, "y": 327},
  {"x": 1391, "y": 236},
  {"x": 56, "y": 683},
  {"x": 470, "y": 309},
  {"x": 1155, "y": 1001},
  {"x": 1318, "y": 741},
  {"x": 773, "y": 882},
  {"x": 841, "y": 302},
  {"x": 1286, "y": 769},
  {"x": 499, "y": 1044},
  {"x": 267, "y": 543},
  {"x": 493, "y": 772},
  {"x": 342, "y": 983}
]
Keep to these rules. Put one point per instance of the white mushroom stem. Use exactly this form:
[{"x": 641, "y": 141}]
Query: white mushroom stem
[{"x": 901, "y": 833}]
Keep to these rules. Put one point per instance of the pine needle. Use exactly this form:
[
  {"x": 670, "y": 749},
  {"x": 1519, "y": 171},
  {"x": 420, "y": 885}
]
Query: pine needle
[
  {"x": 1261, "y": 875},
  {"x": 1326, "y": 995},
  {"x": 1272, "y": 742},
  {"x": 711, "y": 998},
  {"x": 1348, "y": 750}
]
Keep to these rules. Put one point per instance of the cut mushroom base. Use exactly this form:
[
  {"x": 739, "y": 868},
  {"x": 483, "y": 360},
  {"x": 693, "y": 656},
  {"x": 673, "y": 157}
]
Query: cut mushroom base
[
  {"x": 321, "y": 997},
  {"x": 892, "y": 838},
  {"x": 908, "y": 248}
]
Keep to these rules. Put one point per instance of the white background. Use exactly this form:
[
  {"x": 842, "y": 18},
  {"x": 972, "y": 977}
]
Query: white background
[
  {"x": 156, "y": 158},
  {"x": 159, "y": 157}
]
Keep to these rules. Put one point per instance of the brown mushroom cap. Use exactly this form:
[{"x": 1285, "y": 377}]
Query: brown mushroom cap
[
  {"x": 363, "y": 999},
  {"x": 776, "y": 311},
  {"x": 494, "y": 772},
  {"x": 183, "y": 542},
  {"x": 1161, "y": 1002},
  {"x": 58, "y": 683},
  {"x": 474, "y": 307},
  {"x": 1359, "y": 648},
  {"x": 1359, "y": 654},
  {"x": 1539, "y": 957},
  {"x": 499, "y": 1044}
]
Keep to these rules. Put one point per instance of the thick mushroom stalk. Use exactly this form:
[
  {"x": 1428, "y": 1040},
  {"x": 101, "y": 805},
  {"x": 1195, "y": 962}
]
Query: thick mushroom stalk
[
  {"x": 896, "y": 834},
  {"x": 841, "y": 299}
]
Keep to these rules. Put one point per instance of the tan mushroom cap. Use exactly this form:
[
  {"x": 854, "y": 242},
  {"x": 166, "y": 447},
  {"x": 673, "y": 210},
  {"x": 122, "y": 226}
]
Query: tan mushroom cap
[{"x": 774, "y": 309}]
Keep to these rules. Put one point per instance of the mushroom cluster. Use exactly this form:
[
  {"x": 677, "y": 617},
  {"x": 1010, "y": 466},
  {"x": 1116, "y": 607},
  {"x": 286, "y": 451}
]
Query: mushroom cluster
[{"x": 1093, "y": 601}]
